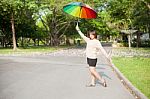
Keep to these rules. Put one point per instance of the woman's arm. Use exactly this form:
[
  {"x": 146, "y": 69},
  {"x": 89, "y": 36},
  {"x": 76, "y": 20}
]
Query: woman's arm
[
  {"x": 103, "y": 51},
  {"x": 81, "y": 34}
]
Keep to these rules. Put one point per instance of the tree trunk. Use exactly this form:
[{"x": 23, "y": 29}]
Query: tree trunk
[
  {"x": 68, "y": 41},
  {"x": 55, "y": 40},
  {"x": 38, "y": 42},
  {"x": 138, "y": 39},
  {"x": 22, "y": 42},
  {"x": 3, "y": 42},
  {"x": 129, "y": 41},
  {"x": 74, "y": 40},
  {"x": 13, "y": 32},
  {"x": 34, "y": 40}
]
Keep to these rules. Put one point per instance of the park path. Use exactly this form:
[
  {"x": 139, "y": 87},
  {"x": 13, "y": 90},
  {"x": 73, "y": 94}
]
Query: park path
[{"x": 59, "y": 75}]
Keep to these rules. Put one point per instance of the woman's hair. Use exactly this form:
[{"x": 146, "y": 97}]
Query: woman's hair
[{"x": 93, "y": 32}]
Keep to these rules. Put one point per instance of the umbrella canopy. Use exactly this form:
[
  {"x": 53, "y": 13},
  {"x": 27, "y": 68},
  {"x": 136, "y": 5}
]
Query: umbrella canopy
[{"x": 78, "y": 9}]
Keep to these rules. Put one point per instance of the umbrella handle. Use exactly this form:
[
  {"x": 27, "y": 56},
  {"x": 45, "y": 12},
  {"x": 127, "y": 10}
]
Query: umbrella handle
[
  {"x": 78, "y": 20},
  {"x": 77, "y": 24}
]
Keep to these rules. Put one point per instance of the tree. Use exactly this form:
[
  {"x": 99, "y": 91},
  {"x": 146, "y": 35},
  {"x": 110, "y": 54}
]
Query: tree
[
  {"x": 10, "y": 8},
  {"x": 54, "y": 20},
  {"x": 130, "y": 14},
  {"x": 18, "y": 13},
  {"x": 44, "y": 20}
]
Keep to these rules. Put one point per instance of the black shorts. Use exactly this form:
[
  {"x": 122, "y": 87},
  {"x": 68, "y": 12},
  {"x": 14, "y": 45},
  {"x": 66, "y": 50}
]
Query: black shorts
[{"x": 91, "y": 62}]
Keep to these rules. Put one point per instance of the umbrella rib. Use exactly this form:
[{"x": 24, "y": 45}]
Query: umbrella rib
[{"x": 80, "y": 11}]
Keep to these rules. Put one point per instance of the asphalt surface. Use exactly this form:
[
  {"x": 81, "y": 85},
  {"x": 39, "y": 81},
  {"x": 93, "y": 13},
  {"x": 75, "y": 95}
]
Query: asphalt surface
[{"x": 56, "y": 77}]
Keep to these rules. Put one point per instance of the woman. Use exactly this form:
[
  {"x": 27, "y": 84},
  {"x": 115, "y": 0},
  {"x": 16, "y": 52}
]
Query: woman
[{"x": 92, "y": 48}]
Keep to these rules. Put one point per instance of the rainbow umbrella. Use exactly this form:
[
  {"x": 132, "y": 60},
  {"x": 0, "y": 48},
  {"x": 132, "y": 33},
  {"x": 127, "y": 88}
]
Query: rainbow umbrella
[{"x": 80, "y": 10}]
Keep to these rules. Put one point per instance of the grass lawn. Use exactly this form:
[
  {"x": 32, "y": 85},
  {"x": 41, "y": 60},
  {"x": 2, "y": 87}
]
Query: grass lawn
[
  {"x": 29, "y": 50},
  {"x": 132, "y": 49},
  {"x": 137, "y": 70}
]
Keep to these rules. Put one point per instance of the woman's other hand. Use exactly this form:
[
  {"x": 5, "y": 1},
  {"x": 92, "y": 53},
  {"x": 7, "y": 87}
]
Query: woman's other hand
[{"x": 109, "y": 57}]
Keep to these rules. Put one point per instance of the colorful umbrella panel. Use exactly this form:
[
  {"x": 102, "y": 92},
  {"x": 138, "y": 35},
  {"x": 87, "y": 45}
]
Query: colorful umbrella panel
[{"x": 78, "y": 9}]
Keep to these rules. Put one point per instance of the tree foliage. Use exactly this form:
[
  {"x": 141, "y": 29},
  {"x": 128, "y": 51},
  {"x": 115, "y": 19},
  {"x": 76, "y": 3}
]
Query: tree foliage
[{"x": 45, "y": 21}]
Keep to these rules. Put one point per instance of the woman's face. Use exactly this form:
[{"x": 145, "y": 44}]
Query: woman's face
[{"x": 92, "y": 36}]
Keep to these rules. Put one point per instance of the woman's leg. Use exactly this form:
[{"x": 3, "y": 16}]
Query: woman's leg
[
  {"x": 93, "y": 78},
  {"x": 95, "y": 74}
]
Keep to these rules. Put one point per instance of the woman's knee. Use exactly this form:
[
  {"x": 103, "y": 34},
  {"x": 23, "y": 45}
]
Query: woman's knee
[{"x": 92, "y": 69}]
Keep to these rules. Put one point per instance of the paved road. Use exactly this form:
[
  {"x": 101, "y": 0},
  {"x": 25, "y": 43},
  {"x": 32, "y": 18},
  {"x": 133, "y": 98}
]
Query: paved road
[{"x": 56, "y": 77}]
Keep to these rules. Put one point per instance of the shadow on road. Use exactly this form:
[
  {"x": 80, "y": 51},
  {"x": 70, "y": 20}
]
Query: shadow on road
[{"x": 104, "y": 75}]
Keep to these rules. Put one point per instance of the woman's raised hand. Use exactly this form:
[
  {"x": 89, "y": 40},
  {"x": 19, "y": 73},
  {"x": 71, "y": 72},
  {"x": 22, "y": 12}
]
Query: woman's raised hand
[{"x": 77, "y": 27}]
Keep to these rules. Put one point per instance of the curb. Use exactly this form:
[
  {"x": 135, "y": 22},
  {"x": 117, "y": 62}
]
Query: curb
[{"x": 133, "y": 90}]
